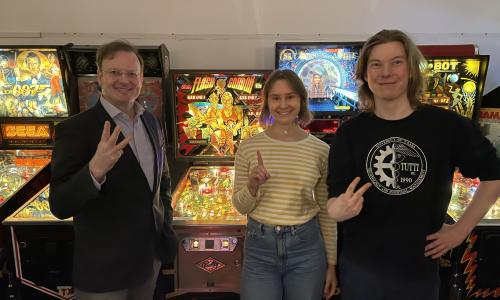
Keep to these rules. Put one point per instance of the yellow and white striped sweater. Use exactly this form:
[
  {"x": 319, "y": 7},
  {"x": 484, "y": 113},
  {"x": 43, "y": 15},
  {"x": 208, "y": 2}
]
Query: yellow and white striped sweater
[{"x": 296, "y": 190}]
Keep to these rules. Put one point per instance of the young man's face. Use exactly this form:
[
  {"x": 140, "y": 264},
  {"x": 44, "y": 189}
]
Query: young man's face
[
  {"x": 387, "y": 72},
  {"x": 120, "y": 78}
]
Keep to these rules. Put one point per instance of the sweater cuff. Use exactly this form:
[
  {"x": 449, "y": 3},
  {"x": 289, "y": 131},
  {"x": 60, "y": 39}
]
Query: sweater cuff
[{"x": 248, "y": 195}]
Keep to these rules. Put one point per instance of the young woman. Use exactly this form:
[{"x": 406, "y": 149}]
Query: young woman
[{"x": 280, "y": 183}]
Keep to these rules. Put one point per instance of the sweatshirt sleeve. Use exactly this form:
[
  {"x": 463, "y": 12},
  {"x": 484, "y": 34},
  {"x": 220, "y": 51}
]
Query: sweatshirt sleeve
[
  {"x": 327, "y": 224},
  {"x": 242, "y": 199}
]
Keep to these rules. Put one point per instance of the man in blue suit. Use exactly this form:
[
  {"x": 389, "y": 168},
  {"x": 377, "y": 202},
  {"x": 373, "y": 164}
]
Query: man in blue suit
[{"x": 109, "y": 173}]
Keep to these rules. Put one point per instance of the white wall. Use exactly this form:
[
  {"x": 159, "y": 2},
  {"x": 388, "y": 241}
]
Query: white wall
[{"x": 240, "y": 34}]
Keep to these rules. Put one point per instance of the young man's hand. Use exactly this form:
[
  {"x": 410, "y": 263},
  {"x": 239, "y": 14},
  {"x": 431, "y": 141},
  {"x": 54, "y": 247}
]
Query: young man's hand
[{"x": 348, "y": 204}]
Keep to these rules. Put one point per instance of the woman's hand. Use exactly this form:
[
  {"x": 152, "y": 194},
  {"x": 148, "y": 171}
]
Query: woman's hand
[
  {"x": 258, "y": 176},
  {"x": 330, "y": 282}
]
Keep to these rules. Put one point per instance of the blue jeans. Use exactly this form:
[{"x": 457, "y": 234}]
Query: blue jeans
[{"x": 283, "y": 262}]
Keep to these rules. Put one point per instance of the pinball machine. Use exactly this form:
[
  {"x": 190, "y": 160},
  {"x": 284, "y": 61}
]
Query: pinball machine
[
  {"x": 42, "y": 244},
  {"x": 472, "y": 270},
  {"x": 214, "y": 112},
  {"x": 33, "y": 98}
]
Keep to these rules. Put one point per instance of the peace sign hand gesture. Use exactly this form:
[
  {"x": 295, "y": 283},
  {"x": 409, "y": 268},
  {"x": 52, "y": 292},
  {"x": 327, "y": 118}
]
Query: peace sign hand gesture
[
  {"x": 348, "y": 204},
  {"x": 258, "y": 176},
  {"x": 108, "y": 152}
]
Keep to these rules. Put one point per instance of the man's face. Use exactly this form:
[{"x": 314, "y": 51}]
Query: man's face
[
  {"x": 213, "y": 99},
  {"x": 120, "y": 78},
  {"x": 316, "y": 78},
  {"x": 387, "y": 72},
  {"x": 33, "y": 64},
  {"x": 227, "y": 99}
]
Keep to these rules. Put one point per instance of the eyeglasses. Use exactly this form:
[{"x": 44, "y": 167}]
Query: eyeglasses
[{"x": 114, "y": 73}]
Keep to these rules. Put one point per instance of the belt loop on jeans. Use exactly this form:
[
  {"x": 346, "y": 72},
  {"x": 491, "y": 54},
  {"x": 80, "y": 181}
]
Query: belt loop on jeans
[{"x": 261, "y": 228}]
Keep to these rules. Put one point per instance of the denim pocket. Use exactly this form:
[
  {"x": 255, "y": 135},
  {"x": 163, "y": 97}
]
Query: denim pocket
[{"x": 253, "y": 231}]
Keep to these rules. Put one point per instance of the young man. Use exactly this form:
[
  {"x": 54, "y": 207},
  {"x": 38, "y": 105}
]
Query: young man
[
  {"x": 405, "y": 153},
  {"x": 109, "y": 173}
]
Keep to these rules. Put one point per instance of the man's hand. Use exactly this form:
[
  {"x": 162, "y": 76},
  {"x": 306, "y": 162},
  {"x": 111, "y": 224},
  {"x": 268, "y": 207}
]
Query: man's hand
[
  {"x": 257, "y": 176},
  {"x": 450, "y": 236},
  {"x": 447, "y": 238},
  {"x": 108, "y": 152},
  {"x": 348, "y": 204}
]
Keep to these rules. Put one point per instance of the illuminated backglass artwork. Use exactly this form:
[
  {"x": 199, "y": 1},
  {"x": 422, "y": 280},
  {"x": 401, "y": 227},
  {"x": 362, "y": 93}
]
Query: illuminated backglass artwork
[
  {"x": 215, "y": 111},
  {"x": 31, "y": 84},
  {"x": 456, "y": 83}
]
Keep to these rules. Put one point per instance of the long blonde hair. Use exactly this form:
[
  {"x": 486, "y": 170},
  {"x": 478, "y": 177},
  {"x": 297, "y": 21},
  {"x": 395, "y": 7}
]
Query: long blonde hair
[{"x": 415, "y": 58}]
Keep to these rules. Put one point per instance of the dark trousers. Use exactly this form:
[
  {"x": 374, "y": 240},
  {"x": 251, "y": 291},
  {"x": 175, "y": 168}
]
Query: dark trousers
[
  {"x": 145, "y": 291},
  {"x": 360, "y": 283}
]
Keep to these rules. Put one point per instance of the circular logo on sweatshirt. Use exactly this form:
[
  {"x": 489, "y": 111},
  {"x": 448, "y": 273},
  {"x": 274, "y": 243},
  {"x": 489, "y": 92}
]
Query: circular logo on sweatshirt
[{"x": 396, "y": 166}]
